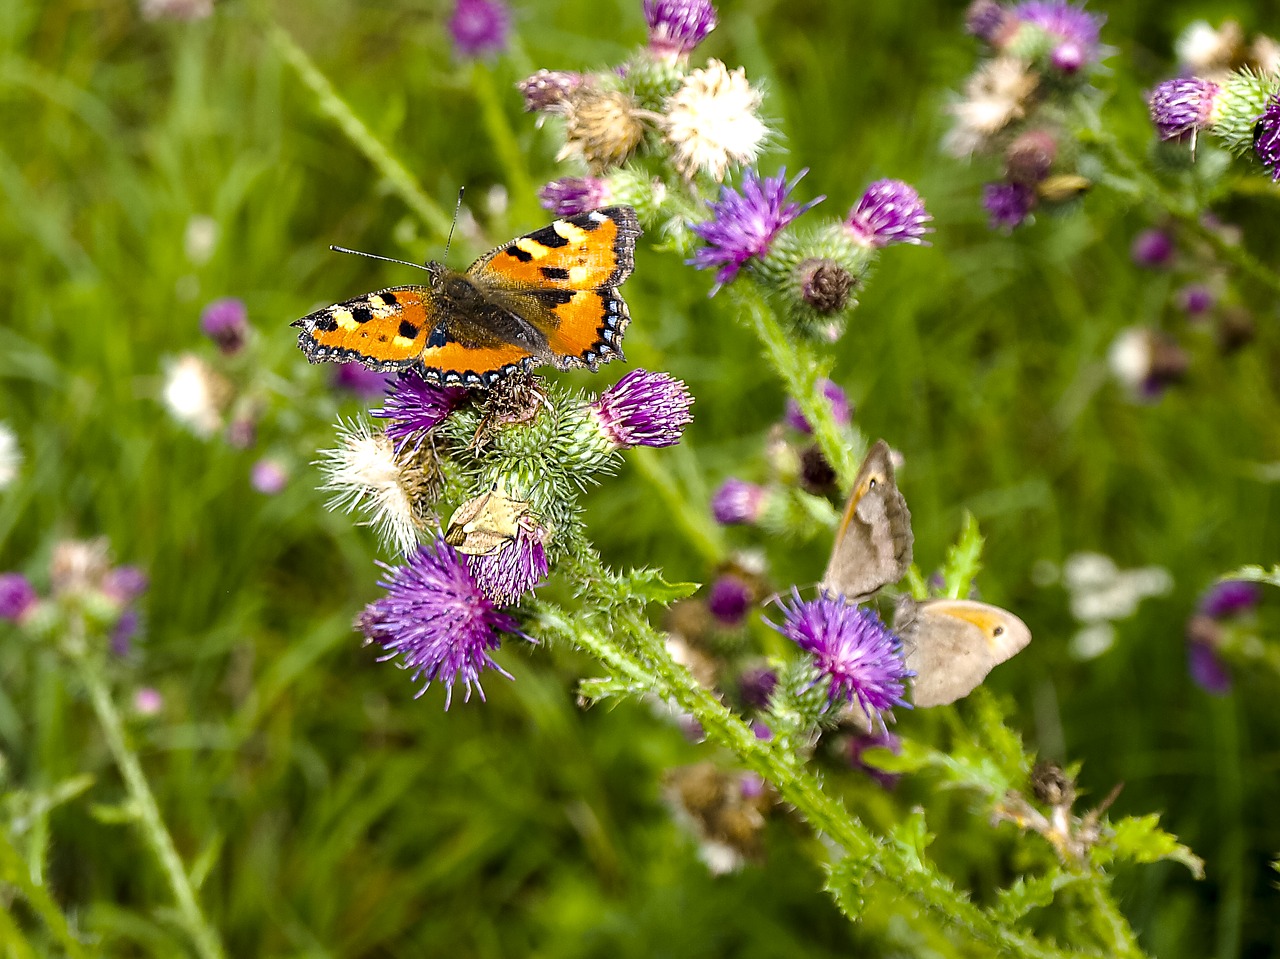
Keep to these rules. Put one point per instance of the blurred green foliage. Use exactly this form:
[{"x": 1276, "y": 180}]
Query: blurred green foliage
[{"x": 334, "y": 815}]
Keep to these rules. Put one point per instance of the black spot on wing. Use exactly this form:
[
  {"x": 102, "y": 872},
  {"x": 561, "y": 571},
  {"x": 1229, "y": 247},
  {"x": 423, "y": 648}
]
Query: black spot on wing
[
  {"x": 408, "y": 330},
  {"x": 555, "y": 273},
  {"x": 519, "y": 254},
  {"x": 326, "y": 323},
  {"x": 438, "y": 337},
  {"x": 587, "y": 221},
  {"x": 388, "y": 298},
  {"x": 549, "y": 296},
  {"x": 361, "y": 314},
  {"x": 548, "y": 237}
]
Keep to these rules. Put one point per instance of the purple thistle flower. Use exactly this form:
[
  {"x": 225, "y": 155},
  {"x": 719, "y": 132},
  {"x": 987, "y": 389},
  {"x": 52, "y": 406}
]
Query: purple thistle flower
[
  {"x": 268, "y": 476},
  {"x": 437, "y": 620},
  {"x": 1266, "y": 138},
  {"x": 1196, "y": 299},
  {"x": 644, "y": 409},
  {"x": 744, "y": 225},
  {"x": 513, "y": 570},
  {"x": 571, "y": 195},
  {"x": 547, "y": 89},
  {"x": 17, "y": 596},
  {"x": 1007, "y": 204},
  {"x": 479, "y": 27},
  {"x": 1075, "y": 30},
  {"x": 986, "y": 19},
  {"x": 1152, "y": 248},
  {"x": 840, "y": 408},
  {"x": 756, "y": 686},
  {"x": 729, "y": 599},
  {"x": 850, "y": 645},
  {"x": 124, "y": 632},
  {"x": 1183, "y": 105},
  {"x": 354, "y": 378},
  {"x": 226, "y": 322},
  {"x": 1230, "y": 598},
  {"x": 1207, "y": 669},
  {"x": 890, "y": 211},
  {"x": 677, "y": 26},
  {"x": 124, "y": 584},
  {"x": 416, "y": 407},
  {"x": 737, "y": 502},
  {"x": 762, "y": 730}
]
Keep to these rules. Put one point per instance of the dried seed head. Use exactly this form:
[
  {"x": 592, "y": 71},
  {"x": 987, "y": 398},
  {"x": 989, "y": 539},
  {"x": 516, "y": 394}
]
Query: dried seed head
[{"x": 603, "y": 127}]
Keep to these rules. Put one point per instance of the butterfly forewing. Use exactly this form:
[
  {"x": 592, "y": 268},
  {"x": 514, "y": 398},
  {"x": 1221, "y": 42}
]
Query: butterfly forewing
[
  {"x": 873, "y": 542},
  {"x": 952, "y": 644},
  {"x": 385, "y": 331}
]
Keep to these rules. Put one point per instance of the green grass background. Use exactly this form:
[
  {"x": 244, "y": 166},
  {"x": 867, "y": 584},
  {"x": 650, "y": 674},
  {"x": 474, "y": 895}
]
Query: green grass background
[{"x": 335, "y": 815}]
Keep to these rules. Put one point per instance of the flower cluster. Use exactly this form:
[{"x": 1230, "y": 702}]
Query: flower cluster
[
  {"x": 511, "y": 459},
  {"x": 1225, "y": 88},
  {"x": 1223, "y": 609},
  {"x": 83, "y": 581},
  {"x": 659, "y": 134},
  {"x": 1040, "y": 57}
]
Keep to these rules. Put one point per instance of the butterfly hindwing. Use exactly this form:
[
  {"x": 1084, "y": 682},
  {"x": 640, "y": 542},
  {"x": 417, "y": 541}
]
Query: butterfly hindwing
[
  {"x": 564, "y": 280},
  {"x": 952, "y": 644},
  {"x": 386, "y": 330}
]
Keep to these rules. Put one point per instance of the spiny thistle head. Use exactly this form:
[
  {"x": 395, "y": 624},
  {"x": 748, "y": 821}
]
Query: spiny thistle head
[
  {"x": 366, "y": 473},
  {"x": 711, "y": 123},
  {"x": 677, "y": 26},
  {"x": 547, "y": 90},
  {"x": 1070, "y": 33},
  {"x": 437, "y": 620},
  {"x": 860, "y": 656},
  {"x": 479, "y": 27},
  {"x": 1245, "y": 116},
  {"x": 1184, "y": 105},
  {"x": 414, "y": 407},
  {"x": 643, "y": 409},
  {"x": 890, "y": 211},
  {"x": 745, "y": 224}
]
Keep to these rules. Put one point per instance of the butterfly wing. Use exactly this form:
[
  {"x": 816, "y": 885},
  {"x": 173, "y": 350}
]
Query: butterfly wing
[
  {"x": 386, "y": 331},
  {"x": 874, "y": 540},
  {"x": 952, "y": 644},
  {"x": 563, "y": 280}
]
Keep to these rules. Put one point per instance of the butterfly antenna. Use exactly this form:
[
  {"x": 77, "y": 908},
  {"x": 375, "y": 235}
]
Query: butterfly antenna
[
  {"x": 374, "y": 256},
  {"x": 456, "y": 210}
]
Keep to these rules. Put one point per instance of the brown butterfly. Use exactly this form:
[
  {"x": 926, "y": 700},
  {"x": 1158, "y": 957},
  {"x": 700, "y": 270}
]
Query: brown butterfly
[
  {"x": 951, "y": 644},
  {"x": 548, "y": 297}
]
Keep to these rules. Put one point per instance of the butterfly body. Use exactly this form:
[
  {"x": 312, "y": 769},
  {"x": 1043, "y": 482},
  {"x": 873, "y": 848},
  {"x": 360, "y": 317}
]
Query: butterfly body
[{"x": 550, "y": 297}]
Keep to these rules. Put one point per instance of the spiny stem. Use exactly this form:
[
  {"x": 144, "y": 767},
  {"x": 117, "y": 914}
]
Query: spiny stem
[
  {"x": 800, "y": 370},
  {"x": 152, "y": 825},
  {"x": 631, "y": 650},
  {"x": 360, "y": 136}
]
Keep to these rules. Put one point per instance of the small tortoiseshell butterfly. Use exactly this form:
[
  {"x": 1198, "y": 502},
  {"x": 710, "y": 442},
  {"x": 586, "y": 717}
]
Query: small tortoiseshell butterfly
[{"x": 548, "y": 297}]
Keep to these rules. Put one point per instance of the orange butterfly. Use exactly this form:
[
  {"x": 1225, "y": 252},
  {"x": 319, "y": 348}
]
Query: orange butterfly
[{"x": 548, "y": 297}]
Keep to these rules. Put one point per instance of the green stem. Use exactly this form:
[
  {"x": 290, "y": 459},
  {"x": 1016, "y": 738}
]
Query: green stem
[
  {"x": 800, "y": 370},
  {"x": 699, "y": 532},
  {"x": 497, "y": 125},
  {"x": 14, "y": 870},
  {"x": 1187, "y": 214},
  {"x": 360, "y": 136},
  {"x": 153, "y": 829},
  {"x": 633, "y": 652}
]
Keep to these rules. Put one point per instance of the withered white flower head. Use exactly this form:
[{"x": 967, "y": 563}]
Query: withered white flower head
[
  {"x": 10, "y": 456},
  {"x": 603, "y": 127},
  {"x": 365, "y": 473},
  {"x": 195, "y": 394},
  {"x": 994, "y": 97},
  {"x": 1203, "y": 49},
  {"x": 712, "y": 121}
]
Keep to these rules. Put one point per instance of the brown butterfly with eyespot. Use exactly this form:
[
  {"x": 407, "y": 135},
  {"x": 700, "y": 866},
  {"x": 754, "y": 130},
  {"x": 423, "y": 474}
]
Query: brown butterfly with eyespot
[{"x": 952, "y": 644}]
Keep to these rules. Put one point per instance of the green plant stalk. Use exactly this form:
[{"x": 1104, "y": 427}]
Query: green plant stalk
[
  {"x": 361, "y": 137},
  {"x": 203, "y": 936},
  {"x": 794, "y": 362},
  {"x": 632, "y": 651},
  {"x": 1187, "y": 215},
  {"x": 496, "y": 124},
  {"x": 13, "y": 870},
  {"x": 698, "y": 531}
]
